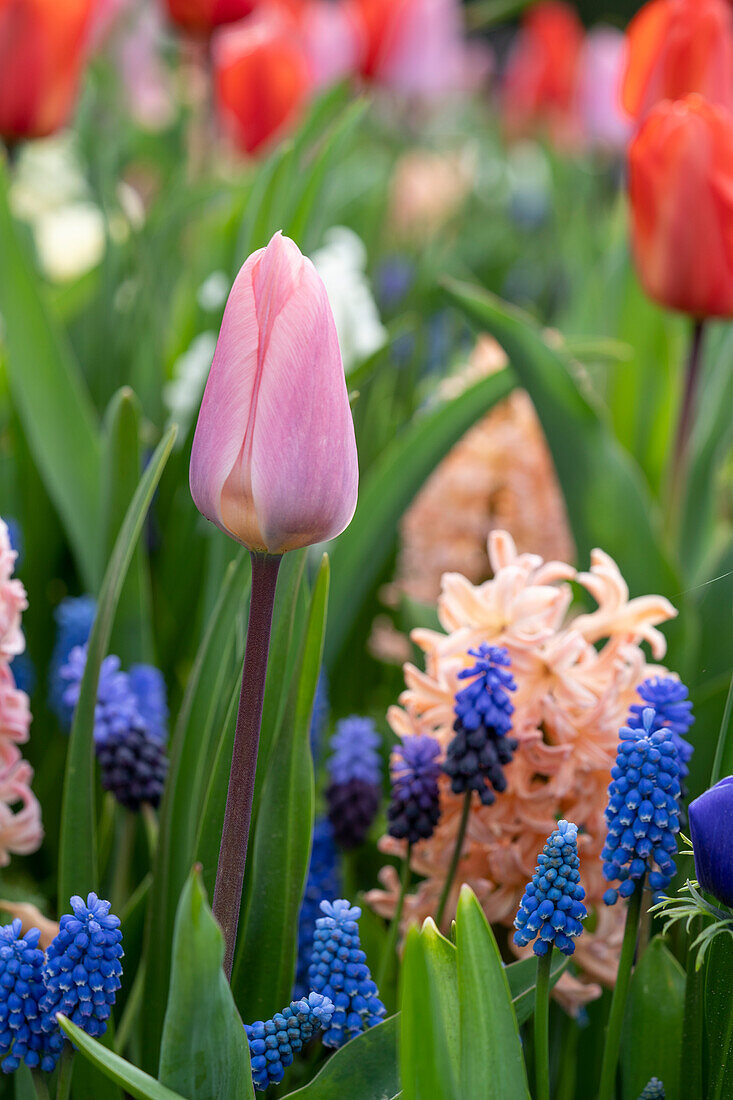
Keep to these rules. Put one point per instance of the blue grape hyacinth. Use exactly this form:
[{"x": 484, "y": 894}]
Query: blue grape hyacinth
[
  {"x": 82, "y": 970},
  {"x": 643, "y": 812},
  {"x": 414, "y": 808},
  {"x": 273, "y": 1043},
  {"x": 355, "y": 769},
  {"x": 552, "y": 909},
  {"x": 477, "y": 754},
  {"x": 339, "y": 971},
  {"x": 74, "y": 618},
  {"x": 323, "y": 882},
  {"x": 672, "y": 709},
  {"x": 319, "y": 718},
  {"x": 21, "y": 989},
  {"x": 654, "y": 1090},
  {"x": 148, "y": 687}
]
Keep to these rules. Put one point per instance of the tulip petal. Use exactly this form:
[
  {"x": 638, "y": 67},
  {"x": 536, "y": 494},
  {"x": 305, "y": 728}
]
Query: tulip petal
[{"x": 711, "y": 828}]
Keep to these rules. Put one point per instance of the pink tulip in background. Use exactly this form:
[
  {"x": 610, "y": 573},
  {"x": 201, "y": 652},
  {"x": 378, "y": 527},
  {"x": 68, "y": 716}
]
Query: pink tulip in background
[
  {"x": 333, "y": 41},
  {"x": 600, "y": 76},
  {"x": 274, "y": 460}
]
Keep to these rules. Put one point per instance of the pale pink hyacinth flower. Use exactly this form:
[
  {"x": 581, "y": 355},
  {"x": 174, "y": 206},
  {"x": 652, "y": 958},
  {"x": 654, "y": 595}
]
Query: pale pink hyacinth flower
[
  {"x": 423, "y": 52},
  {"x": 15, "y": 717},
  {"x": 570, "y": 702},
  {"x": 13, "y": 601},
  {"x": 600, "y": 74},
  {"x": 332, "y": 41},
  {"x": 146, "y": 79},
  {"x": 21, "y": 831},
  {"x": 274, "y": 460}
]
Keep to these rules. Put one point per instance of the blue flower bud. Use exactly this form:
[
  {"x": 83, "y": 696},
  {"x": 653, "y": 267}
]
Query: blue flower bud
[{"x": 711, "y": 829}]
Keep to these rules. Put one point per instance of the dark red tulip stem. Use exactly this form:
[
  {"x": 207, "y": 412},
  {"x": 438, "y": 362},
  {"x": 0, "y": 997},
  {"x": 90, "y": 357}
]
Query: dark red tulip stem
[
  {"x": 235, "y": 834},
  {"x": 687, "y": 411}
]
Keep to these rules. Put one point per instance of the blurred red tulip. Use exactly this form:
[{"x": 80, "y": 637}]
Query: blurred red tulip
[
  {"x": 262, "y": 78},
  {"x": 675, "y": 47},
  {"x": 541, "y": 76},
  {"x": 203, "y": 16},
  {"x": 42, "y": 50},
  {"x": 415, "y": 47},
  {"x": 681, "y": 192}
]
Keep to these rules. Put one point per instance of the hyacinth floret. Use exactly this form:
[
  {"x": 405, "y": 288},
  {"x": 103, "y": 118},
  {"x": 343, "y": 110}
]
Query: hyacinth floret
[
  {"x": 323, "y": 881},
  {"x": 643, "y": 812},
  {"x": 74, "y": 618},
  {"x": 414, "y": 808},
  {"x": 552, "y": 907},
  {"x": 654, "y": 1090},
  {"x": 355, "y": 770},
  {"x": 339, "y": 971},
  {"x": 477, "y": 754},
  {"x": 116, "y": 710},
  {"x": 133, "y": 766},
  {"x": 21, "y": 989},
  {"x": 672, "y": 708},
  {"x": 82, "y": 969},
  {"x": 148, "y": 687},
  {"x": 273, "y": 1043}
]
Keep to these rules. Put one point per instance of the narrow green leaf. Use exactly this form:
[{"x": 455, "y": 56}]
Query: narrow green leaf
[
  {"x": 138, "y": 1084},
  {"x": 24, "y": 1087},
  {"x": 600, "y": 481},
  {"x": 264, "y": 967},
  {"x": 186, "y": 787},
  {"x": 719, "y": 1018},
  {"x": 426, "y": 998},
  {"x": 364, "y": 1069},
  {"x": 693, "y": 1021},
  {"x": 78, "y": 844},
  {"x": 652, "y": 1034},
  {"x": 204, "y": 1053},
  {"x": 522, "y": 978},
  {"x": 132, "y": 638},
  {"x": 364, "y": 548},
  {"x": 491, "y": 1055},
  {"x": 51, "y": 397}
]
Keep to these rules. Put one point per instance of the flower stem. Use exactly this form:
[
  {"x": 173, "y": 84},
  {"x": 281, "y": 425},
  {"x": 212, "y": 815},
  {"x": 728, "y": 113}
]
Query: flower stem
[
  {"x": 618, "y": 1003},
  {"x": 390, "y": 946},
  {"x": 235, "y": 834},
  {"x": 120, "y": 890},
  {"x": 66, "y": 1069},
  {"x": 460, "y": 837},
  {"x": 542, "y": 1027},
  {"x": 687, "y": 412}
]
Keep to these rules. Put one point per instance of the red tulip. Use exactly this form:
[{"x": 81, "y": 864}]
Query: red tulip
[
  {"x": 681, "y": 192},
  {"x": 262, "y": 79},
  {"x": 42, "y": 50},
  {"x": 675, "y": 47},
  {"x": 542, "y": 73},
  {"x": 203, "y": 16}
]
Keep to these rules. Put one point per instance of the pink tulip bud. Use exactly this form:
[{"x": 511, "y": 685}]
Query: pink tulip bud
[{"x": 274, "y": 460}]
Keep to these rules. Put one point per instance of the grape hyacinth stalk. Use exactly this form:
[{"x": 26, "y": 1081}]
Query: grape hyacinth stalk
[
  {"x": 643, "y": 818},
  {"x": 550, "y": 910},
  {"x": 274, "y": 466},
  {"x": 481, "y": 747}
]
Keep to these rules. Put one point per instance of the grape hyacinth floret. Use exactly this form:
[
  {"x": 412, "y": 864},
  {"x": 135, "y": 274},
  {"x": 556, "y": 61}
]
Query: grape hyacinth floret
[
  {"x": 643, "y": 813},
  {"x": 414, "y": 809},
  {"x": 552, "y": 906},
  {"x": 273, "y": 1043},
  {"x": 74, "y": 618},
  {"x": 116, "y": 710},
  {"x": 356, "y": 780},
  {"x": 323, "y": 882},
  {"x": 339, "y": 971},
  {"x": 654, "y": 1090},
  {"x": 82, "y": 969},
  {"x": 21, "y": 989},
  {"x": 148, "y": 687},
  {"x": 477, "y": 754},
  {"x": 133, "y": 766},
  {"x": 672, "y": 709}
]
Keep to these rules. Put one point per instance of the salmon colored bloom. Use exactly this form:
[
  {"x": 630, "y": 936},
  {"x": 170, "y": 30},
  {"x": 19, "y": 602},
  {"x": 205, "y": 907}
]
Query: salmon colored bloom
[
  {"x": 675, "y": 47},
  {"x": 262, "y": 79},
  {"x": 542, "y": 72},
  {"x": 274, "y": 460},
  {"x": 681, "y": 194},
  {"x": 415, "y": 47},
  {"x": 42, "y": 51},
  {"x": 576, "y": 678},
  {"x": 203, "y": 16},
  {"x": 21, "y": 831},
  {"x": 15, "y": 717}
]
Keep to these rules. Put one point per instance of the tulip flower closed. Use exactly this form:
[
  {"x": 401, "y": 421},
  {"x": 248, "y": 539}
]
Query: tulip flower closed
[
  {"x": 203, "y": 16},
  {"x": 274, "y": 460},
  {"x": 681, "y": 193},
  {"x": 262, "y": 79},
  {"x": 675, "y": 47},
  {"x": 42, "y": 50},
  {"x": 711, "y": 829}
]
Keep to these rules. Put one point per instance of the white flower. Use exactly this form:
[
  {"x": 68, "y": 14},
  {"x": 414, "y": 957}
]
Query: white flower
[
  {"x": 70, "y": 240},
  {"x": 214, "y": 291},
  {"x": 182, "y": 395},
  {"x": 341, "y": 263}
]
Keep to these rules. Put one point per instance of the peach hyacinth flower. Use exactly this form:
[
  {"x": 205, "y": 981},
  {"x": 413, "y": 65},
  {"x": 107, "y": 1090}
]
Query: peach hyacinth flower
[{"x": 573, "y": 694}]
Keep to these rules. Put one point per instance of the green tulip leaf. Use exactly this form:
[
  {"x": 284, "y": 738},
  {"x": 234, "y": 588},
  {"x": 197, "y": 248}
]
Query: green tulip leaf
[
  {"x": 719, "y": 1018},
  {"x": 365, "y": 1068},
  {"x": 133, "y": 1080},
  {"x": 652, "y": 1034},
  {"x": 429, "y": 1050}
]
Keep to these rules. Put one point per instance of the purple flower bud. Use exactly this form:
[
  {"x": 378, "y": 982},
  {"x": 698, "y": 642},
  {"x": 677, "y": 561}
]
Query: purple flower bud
[{"x": 711, "y": 828}]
